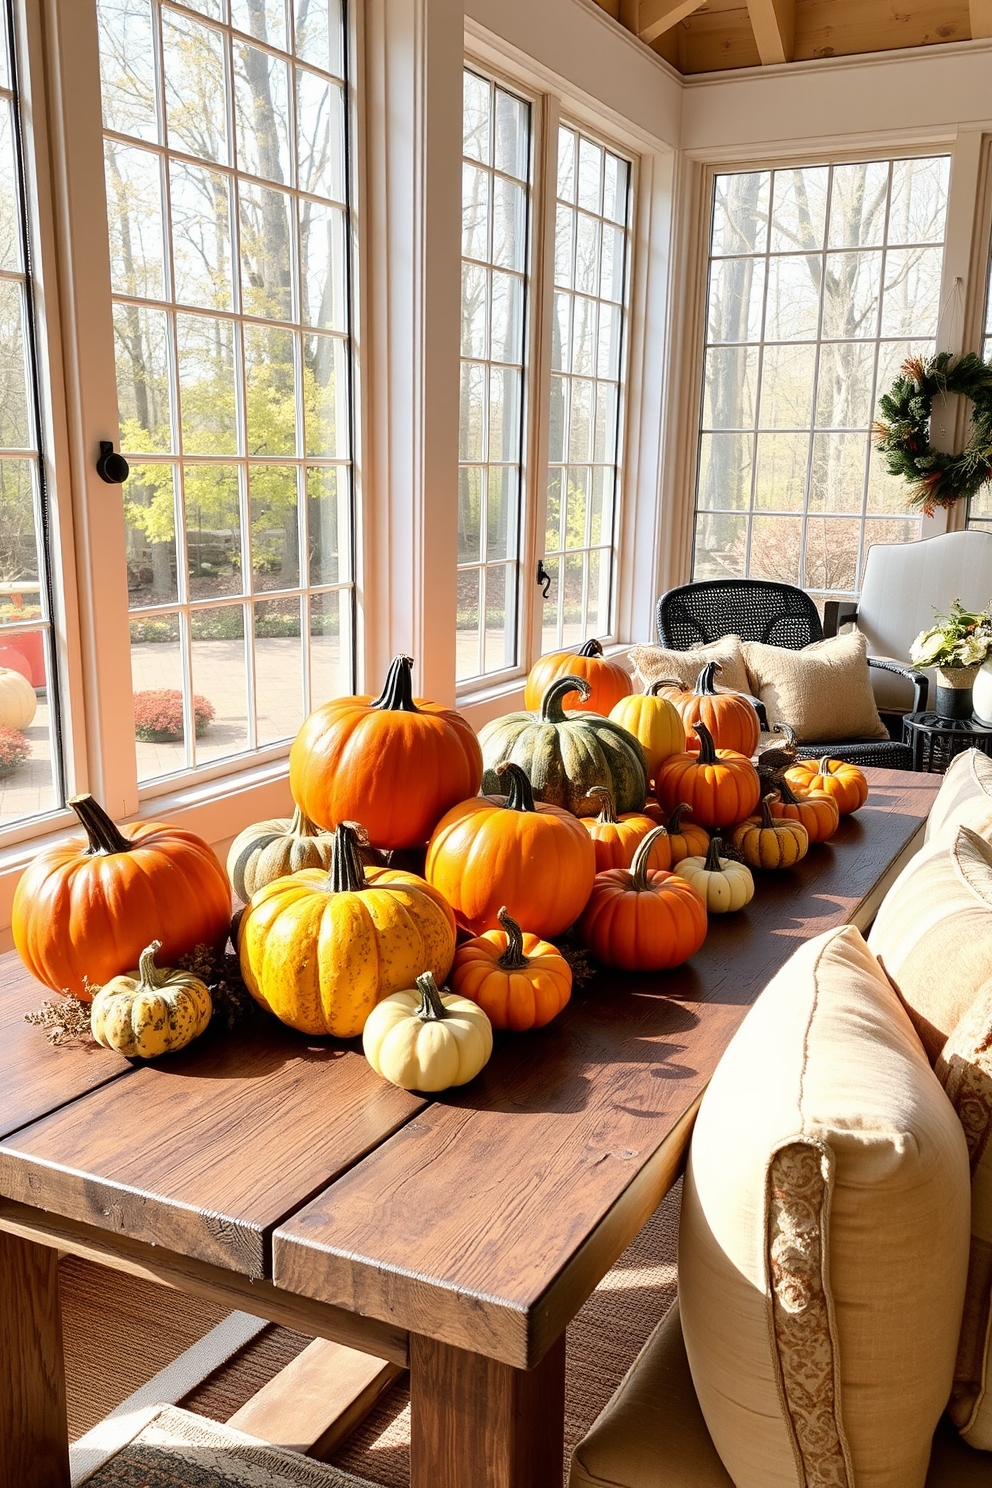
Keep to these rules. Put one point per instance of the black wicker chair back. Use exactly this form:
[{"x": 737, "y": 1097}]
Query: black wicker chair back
[{"x": 754, "y": 609}]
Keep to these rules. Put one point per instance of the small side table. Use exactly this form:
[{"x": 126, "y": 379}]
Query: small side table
[{"x": 935, "y": 740}]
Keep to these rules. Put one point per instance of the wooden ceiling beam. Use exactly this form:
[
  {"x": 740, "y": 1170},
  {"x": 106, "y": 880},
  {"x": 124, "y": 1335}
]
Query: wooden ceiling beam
[
  {"x": 774, "y": 25},
  {"x": 657, "y": 16},
  {"x": 981, "y": 18}
]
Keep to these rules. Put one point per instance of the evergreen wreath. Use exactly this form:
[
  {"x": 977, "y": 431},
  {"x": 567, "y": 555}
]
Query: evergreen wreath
[{"x": 903, "y": 437}]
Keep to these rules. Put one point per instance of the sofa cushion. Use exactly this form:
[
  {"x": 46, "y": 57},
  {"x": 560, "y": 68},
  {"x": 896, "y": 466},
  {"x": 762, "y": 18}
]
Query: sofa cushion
[
  {"x": 823, "y": 691},
  {"x": 965, "y": 1071},
  {"x": 652, "y": 1433},
  {"x": 652, "y": 663},
  {"x": 964, "y": 798},
  {"x": 824, "y": 1238},
  {"x": 933, "y": 933}
]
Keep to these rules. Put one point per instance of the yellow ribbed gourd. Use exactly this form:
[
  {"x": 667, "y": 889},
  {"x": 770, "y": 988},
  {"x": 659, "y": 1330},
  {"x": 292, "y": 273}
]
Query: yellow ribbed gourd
[
  {"x": 152, "y": 1011},
  {"x": 768, "y": 841},
  {"x": 320, "y": 950},
  {"x": 426, "y": 1039}
]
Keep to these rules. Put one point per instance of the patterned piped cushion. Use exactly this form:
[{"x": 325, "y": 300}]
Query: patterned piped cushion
[
  {"x": 824, "y": 1235},
  {"x": 965, "y": 1071},
  {"x": 964, "y": 798},
  {"x": 933, "y": 932}
]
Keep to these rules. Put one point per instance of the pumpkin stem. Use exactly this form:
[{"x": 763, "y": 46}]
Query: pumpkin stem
[
  {"x": 656, "y": 687},
  {"x": 431, "y": 1009},
  {"x": 825, "y": 767},
  {"x": 347, "y": 875},
  {"x": 513, "y": 958},
  {"x": 707, "y": 749},
  {"x": 712, "y": 864},
  {"x": 704, "y": 682},
  {"x": 591, "y": 648},
  {"x": 639, "y": 866},
  {"x": 302, "y": 826},
  {"x": 551, "y": 708},
  {"x": 608, "y": 810},
  {"x": 787, "y": 795},
  {"x": 397, "y": 693},
  {"x": 520, "y": 792},
  {"x": 787, "y": 731},
  {"x": 148, "y": 973},
  {"x": 675, "y": 820},
  {"x": 104, "y": 835},
  {"x": 767, "y": 820}
]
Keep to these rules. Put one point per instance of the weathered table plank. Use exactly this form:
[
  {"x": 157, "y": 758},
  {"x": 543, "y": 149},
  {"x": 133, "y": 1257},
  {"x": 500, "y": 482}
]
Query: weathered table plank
[
  {"x": 486, "y": 1221},
  {"x": 205, "y": 1151}
]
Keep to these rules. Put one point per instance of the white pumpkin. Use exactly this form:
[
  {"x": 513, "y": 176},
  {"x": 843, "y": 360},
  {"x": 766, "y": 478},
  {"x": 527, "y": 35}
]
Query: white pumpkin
[
  {"x": 18, "y": 703},
  {"x": 426, "y": 1039},
  {"x": 722, "y": 883}
]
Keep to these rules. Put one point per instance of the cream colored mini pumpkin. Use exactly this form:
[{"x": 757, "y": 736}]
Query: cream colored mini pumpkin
[
  {"x": 18, "y": 703},
  {"x": 152, "y": 1012},
  {"x": 722, "y": 884},
  {"x": 427, "y": 1040}
]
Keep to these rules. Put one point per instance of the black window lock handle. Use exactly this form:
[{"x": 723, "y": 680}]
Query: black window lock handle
[
  {"x": 543, "y": 577},
  {"x": 111, "y": 467}
]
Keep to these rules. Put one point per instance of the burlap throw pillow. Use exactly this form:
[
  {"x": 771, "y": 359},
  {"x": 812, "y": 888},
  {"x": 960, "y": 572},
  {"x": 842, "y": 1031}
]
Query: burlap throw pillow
[
  {"x": 823, "y": 1246},
  {"x": 822, "y": 691},
  {"x": 652, "y": 663}
]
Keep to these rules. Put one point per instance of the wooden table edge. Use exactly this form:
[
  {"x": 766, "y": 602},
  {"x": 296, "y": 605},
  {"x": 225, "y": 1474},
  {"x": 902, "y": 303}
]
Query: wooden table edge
[{"x": 202, "y": 1279}]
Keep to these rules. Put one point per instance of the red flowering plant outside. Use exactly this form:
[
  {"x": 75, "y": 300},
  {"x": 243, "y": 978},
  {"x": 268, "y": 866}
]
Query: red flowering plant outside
[
  {"x": 14, "y": 749},
  {"x": 158, "y": 715}
]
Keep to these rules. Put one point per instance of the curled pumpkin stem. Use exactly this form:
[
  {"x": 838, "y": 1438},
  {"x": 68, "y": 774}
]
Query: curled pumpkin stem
[
  {"x": 767, "y": 802},
  {"x": 591, "y": 648},
  {"x": 104, "y": 835},
  {"x": 675, "y": 820},
  {"x": 608, "y": 810},
  {"x": 639, "y": 866},
  {"x": 513, "y": 958},
  {"x": 552, "y": 710},
  {"x": 520, "y": 792},
  {"x": 431, "y": 1009}
]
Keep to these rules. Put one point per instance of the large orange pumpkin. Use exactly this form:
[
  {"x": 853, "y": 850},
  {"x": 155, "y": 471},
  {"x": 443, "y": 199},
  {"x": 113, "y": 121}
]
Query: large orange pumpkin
[
  {"x": 88, "y": 909},
  {"x": 617, "y": 838},
  {"x": 845, "y": 782},
  {"x": 494, "y": 851},
  {"x": 818, "y": 811},
  {"x": 720, "y": 786},
  {"x": 609, "y": 681},
  {"x": 395, "y": 763},
  {"x": 654, "y": 722},
  {"x": 729, "y": 716},
  {"x": 519, "y": 980},
  {"x": 642, "y": 919}
]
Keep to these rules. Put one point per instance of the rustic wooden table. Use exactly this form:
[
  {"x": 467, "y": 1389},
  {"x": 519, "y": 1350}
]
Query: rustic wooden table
[{"x": 458, "y": 1235}]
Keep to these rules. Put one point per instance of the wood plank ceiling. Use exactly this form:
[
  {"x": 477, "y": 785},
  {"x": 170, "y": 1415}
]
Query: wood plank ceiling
[{"x": 713, "y": 35}]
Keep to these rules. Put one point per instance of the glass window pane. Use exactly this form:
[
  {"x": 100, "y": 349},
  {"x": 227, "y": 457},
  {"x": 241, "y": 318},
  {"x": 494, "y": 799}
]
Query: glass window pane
[
  {"x": 837, "y": 473},
  {"x": 323, "y": 279},
  {"x": 512, "y": 136},
  {"x": 786, "y": 386},
  {"x": 472, "y": 412},
  {"x": 590, "y": 180},
  {"x": 207, "y": 387},
  {"x": 476, "y": 116},
  {"x": 150, "y": 497},
  {"x": 331, "y": 645},
  {"x": 911, "y": 303},
  {"x": 736, "y": 292},
  {"x": 509, "y": 225},
  {"x": 919, "y": 200},
  {"x": 616, "y": 179},
  {"x": 844, "y": 385},
  {"x": 279, "y": 710},
  {"x": 134, "y": 214},
  {"x": 20, "y": 598},
  {"x": 584, "y": 342},
  {"x": 580, "y": 420},
  {"x": 564, "y": 246},
  {"x": 725, "y": 472},
  {"x": 327, "y": 418},
  {"x": 775, "y": 548},
  {"x": 729, "y": 387},
  {"x": 219, "y": 679},
  {"x": 127, "y": 67},
  {"x": 214, "y": 549},
  {"x": 499, "y": 647},
  {"x": 10, "y": 233},
  {"x": 588, "y": 235},
  {"x": 157, "y": 681},
  {"x": 476, "y": 210},
  {"x": 740, "y": 213},
  {"x": 16, "y": 422},
  {"x": 320, "y": 136},
  {"x": 505, "y": 398},
  {"x": 275, "y": 529},
  {"x": 468, "y": 659},
  {"x": 502, "y": 511},
  {"x": 261, "y": 97},
  {"x": 780, "y": 475},
  {"x": 195, "y": 92},
  {"x": 507, "y": 324},
  {"x": 857, "y": 205},
  {"x": 201, "y": 236},
  {"x": 577, "y": 482},
  {"x": 830, "y": 559},
  {"x": 471, "y": 483},
  {"x": 267, "y": 251},
  {"x": 799, "y": 209},
  {"x": 319, "y": 32},
  {"x": 851, "y": 295},
  {"x": 265, "y": 19},
  {"x": 475, "y": 310},
  {"x": 720, "y": 549},
  {"x": 793, "y": 298},
  {"x": 566, "y": 165},
  {"x": 329, "y": 525}
]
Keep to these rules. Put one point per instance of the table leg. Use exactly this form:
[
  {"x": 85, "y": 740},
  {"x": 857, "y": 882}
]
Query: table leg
[
  {"x": 34, "y": 1439},
  {"x": 479, "y": 1424}
]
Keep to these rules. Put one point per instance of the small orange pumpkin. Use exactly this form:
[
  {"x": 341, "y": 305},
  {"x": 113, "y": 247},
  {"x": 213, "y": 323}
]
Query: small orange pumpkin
[
  {"x": 767, "y": 841},
  {"x": 537, "y": 860},
  {"x": 845, "y": 782},
  {"x": 655, "y": 722},
  {"x": 720, "y": 786},
  {"x": 729, "y": 716},
  {"x": 818, "y": 811},
  {"x": 609, "y": 681},
  {"x": 685, "y": 839},
  {"x": 617, "y": 838},
  {"x": 519, "y": 980},
  {"x": 642, "y": 919}
]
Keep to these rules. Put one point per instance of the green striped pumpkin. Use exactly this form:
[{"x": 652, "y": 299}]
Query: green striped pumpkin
[
  {"x": 566, "y": 755},
  {"x": 270, "y": 849}
]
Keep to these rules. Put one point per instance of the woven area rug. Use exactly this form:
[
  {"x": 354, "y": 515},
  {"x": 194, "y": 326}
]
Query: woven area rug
[{"x": 179, "y": 1450}]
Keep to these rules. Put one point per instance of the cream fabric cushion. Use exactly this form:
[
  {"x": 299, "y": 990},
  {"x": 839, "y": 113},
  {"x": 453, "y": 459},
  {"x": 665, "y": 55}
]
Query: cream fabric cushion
[
  {"x": 824, "y": 1238},
  {"x": 652, "y": 663},
  {"x": 964, "y": 798},
  {"x": 652, "y": 1433},
  {"x": 965, "y": 1071},
  {"x": 823, "y": 691},
  {"x": 933, "y": 933}
]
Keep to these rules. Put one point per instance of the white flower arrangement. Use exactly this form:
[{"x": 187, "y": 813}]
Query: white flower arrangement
[{"x": 961, "y": 639}]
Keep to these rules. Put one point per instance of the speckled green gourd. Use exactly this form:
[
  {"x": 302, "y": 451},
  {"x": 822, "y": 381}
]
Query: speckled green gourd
[
  {"x": 566, "y": 755},
  {"x": 153, "y": 1012}
]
